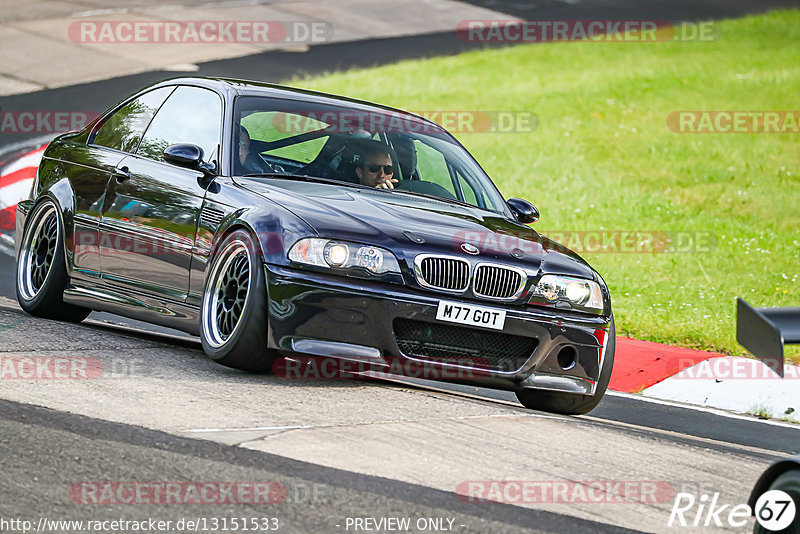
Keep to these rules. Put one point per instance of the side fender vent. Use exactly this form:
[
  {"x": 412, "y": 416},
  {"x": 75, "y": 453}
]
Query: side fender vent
[{"x": 211, "y": 217}]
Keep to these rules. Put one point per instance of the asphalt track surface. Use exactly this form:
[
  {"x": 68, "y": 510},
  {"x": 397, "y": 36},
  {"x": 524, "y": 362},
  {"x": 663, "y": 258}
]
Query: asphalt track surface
[
  {"x": 318, "y": 499},
  {"x": 378, "y": 448},
  {"x": 45, "y": 450}
]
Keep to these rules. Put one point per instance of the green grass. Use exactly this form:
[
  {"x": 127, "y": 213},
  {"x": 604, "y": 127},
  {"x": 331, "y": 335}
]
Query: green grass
[
  {"x": 602, "y": 157},
  {"x": 760, "y": 411}
]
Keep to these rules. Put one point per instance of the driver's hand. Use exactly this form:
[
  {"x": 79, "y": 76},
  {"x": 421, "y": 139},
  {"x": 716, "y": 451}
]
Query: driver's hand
[{"x": 387, "y": 184}]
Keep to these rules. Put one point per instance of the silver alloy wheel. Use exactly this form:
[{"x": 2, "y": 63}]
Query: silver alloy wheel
[
  {"x": 37, "y": 252},
  {"x": 226, "y": 294}
]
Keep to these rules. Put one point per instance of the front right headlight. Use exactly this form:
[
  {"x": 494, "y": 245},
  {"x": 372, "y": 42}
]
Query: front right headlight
[{"x": 567, "y": 292}]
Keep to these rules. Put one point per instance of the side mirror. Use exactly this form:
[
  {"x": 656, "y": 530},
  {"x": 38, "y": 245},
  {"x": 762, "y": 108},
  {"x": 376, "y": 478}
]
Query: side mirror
[
  {"x": 189, "y": 156},
  {"x": 523, "y": 211}
]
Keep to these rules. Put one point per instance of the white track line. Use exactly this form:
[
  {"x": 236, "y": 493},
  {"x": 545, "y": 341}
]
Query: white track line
[{"x": 706, "y": 409}]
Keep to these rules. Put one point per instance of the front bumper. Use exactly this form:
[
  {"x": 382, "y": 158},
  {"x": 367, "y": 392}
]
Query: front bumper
[{"x": 314, "y": 314}]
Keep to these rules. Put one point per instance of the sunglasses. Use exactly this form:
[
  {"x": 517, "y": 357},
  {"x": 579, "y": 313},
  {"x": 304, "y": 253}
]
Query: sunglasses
[{"x": 388, "y": 169}]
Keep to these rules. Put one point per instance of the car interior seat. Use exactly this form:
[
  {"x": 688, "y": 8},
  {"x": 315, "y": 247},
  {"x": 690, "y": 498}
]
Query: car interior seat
[{"x": 406, "y": 156}]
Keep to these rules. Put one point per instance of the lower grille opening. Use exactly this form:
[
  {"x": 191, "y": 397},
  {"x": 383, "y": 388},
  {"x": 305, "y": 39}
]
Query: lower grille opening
[{"x": 468, "y": 347}]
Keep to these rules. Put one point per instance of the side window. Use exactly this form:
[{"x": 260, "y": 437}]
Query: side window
[
  {"x": 433, "y": 167},
  {"x": 124, "y": 129},
  {"x": 190, "y": 115}
]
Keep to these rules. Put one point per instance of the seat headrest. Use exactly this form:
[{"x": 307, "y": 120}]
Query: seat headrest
[{"x": 406, "y": 154}]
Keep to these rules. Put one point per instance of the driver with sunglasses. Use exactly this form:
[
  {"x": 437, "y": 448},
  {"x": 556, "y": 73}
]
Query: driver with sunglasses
[{"x": 376, "y": 169}]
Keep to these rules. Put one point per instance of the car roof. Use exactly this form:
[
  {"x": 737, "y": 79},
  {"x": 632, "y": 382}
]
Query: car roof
[{"x": 236, "y": 87}]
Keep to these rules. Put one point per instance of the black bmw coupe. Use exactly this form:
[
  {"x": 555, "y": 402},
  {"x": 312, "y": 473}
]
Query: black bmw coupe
[{"x": 287, "y": 225}]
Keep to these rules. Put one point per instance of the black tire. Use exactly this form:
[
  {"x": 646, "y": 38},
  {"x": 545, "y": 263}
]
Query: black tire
[
  {"x": 790, "y": 483},
  {"x": 41, "y": 268},
  {"x": 234, "y": 317},
  {"x": 571, "y": 403}
]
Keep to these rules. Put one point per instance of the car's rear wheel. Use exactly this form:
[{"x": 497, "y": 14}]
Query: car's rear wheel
[
  {"x": 571, "y": 403},
  {"x": 234, "y": 312},
  {"x": 41, "y": 268}
]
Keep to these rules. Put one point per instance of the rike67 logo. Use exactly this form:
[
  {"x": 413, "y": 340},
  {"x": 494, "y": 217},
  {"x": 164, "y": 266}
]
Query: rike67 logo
[{"x": 775, "y": 511}]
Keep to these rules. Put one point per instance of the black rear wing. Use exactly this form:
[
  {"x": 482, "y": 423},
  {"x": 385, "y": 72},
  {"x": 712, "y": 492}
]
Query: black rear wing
[{"x": 764, "y": 331}]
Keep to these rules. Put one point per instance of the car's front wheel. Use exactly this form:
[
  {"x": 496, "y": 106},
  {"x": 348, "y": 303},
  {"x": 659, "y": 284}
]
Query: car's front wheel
[
  {"x": 571, "y": 403},
  {"x": 41, "y": 268},
  {"x": 789, "y": 483},
  {"x": 234, "y": 312}
]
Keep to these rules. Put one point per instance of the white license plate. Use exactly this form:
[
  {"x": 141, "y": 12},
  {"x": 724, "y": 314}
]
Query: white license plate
[{"x": 457, "y": 312}]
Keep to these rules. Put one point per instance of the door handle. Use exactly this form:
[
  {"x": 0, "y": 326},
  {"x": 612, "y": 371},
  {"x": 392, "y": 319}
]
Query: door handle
[{"x": 122, "y": 174}]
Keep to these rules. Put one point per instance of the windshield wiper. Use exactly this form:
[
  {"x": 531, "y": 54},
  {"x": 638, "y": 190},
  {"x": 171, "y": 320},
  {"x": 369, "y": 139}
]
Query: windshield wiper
[
  {"x": 432, "y": 197},
  {"x": 300, "y": 177}
]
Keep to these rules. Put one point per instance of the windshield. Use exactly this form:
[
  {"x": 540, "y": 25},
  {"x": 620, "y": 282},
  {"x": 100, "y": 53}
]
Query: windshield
[{"x": 357, "y": 146}]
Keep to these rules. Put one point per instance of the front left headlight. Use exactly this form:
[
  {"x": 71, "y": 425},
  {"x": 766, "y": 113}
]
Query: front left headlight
[
  {"x": 339, "y": 255},
  {"x": 567, "y": 292}
]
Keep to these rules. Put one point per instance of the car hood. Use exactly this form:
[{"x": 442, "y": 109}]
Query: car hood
[{"x": 409, "y": 224}]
